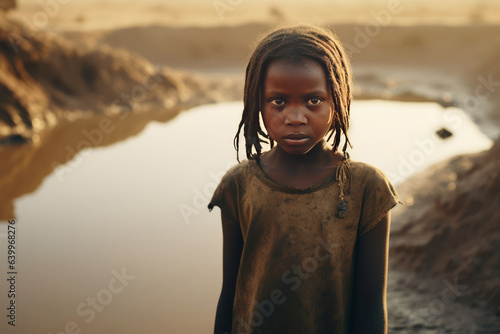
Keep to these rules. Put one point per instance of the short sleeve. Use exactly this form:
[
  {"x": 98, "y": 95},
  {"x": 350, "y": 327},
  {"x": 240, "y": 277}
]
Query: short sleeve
[
  {"x": 379, "y": 197},
  {"x": 226, "y": 197}
]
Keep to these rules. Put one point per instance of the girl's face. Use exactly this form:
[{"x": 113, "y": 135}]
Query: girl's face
[{"x": 297, "y": 107}]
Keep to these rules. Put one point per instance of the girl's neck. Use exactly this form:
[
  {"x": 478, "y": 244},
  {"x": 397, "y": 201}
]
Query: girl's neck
[{"x": 319, "y": 157}]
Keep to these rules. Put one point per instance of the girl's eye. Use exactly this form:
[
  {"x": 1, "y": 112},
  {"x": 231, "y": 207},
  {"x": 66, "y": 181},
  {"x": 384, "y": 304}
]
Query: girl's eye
[
  {"x": 278, "y": 102},
  {"x": 315, "y": 100}
]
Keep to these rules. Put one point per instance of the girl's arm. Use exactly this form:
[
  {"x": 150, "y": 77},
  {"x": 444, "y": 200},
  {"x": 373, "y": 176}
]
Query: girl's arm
[
  {"x": 369, "y": 312},
  {"x": 232, "y": 248}
]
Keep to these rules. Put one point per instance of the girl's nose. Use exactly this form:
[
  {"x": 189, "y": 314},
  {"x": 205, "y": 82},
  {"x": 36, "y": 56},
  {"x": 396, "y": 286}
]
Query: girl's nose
[{"x": 295, "y": 116}]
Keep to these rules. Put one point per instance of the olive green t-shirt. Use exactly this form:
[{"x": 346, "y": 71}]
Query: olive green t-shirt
[{"x": 296, "y": 268}]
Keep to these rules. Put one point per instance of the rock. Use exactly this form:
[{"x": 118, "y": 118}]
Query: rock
[
  {"x": 460, "y": 229},
  {"x": 14, "y": 140},
  {"x": 46, "y": 78},
  {"x": 444, "y": 133},
  {"x": 6, "y": 5}
]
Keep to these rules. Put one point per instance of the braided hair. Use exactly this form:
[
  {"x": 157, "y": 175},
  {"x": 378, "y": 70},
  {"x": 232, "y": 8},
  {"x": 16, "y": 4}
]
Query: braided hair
[{"x": 295, "y": 43}]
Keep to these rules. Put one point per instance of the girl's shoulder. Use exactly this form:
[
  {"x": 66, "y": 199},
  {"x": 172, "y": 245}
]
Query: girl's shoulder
[
  {"x": 240, "y": 170},
  {"x": 229, "y": 187},
  {"x": 361, "y": 172},
  {"x": 238, "y": 174}
]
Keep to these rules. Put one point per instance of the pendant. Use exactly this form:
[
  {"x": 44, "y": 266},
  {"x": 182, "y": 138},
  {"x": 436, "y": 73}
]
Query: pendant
[{"x": 342, "y": 210}]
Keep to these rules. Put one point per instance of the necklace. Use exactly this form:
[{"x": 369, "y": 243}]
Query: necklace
[{"x": 342, "y": 175}]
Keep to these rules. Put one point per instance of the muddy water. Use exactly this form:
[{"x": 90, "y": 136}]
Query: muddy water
[{"x": 113, "y": 231}]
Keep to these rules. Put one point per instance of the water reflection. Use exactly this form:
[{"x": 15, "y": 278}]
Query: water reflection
[{"x": 24, "y": 167}]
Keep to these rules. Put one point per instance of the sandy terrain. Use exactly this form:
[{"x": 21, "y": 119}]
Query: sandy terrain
[{"x": 78, "y": 67}]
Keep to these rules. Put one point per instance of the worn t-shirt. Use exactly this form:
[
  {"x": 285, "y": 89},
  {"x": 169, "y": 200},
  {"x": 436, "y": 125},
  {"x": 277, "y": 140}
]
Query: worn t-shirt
[{"x": 296, "y": 267}]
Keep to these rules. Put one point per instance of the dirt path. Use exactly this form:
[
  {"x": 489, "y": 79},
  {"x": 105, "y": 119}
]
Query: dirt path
[{"x": 418, "y": 306}]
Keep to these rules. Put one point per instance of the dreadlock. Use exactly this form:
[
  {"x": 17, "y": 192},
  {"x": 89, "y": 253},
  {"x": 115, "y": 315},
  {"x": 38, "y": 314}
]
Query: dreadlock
[{"x": 295, "y": 43}]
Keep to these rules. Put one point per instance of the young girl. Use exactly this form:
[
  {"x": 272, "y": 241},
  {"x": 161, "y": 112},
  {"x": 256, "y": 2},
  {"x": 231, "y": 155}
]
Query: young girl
[{"x": 305, "y": 228}]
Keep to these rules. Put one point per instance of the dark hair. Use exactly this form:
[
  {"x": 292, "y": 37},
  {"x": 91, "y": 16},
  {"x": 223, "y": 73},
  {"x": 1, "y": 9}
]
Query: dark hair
[{"x": 295, "y": 43}]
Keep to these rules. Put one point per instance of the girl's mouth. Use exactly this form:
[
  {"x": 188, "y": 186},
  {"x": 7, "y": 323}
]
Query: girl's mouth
[{"x": 296, "y": 138}]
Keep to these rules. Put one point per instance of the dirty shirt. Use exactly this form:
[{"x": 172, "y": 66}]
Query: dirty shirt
[{"x": 297, "y": 264}]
